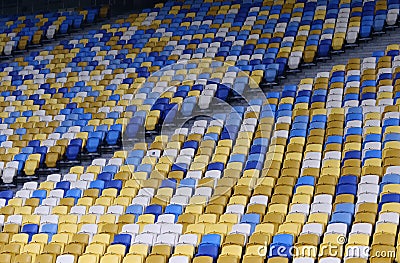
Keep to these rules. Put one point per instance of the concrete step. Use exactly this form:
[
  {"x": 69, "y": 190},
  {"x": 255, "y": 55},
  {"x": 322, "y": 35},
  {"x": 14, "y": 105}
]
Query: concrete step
[{"x": 365, "y": 49}]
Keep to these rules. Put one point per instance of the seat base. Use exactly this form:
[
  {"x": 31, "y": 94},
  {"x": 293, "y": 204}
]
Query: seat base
[
  {"x": 22, "y": 178},
  {"x": 271, "y": 83},
  {"x": 110, "y": 148},
  {"x": 69, "y": 163},
  {"x": 293, "y": 70},
  {"x": 365, "y": 39},
  {"x": 307, "y": 65},
  {"x": 378, "y": 33},
  {"x": 4, "y": 186},
  {"x": 18, "y": 52},
  {"x": 236, "y": 97},
  {"x": 335, "y": 52},
  {"x": 239, "y": 99},
  {"x": 4, "y": 57},
  {"x": 75, "y": 30},
  {"x": 351, "y": 45},
  {"x": 152, "y": 133},
  {"x": 267, "y": 86},
  {"x": 131, "y": 141},
  {"x": 89, "y": 156},
  {"x": 48, "y": 170},
  {"x": 61, "y": 34},
  {"x": 324, "y": 58},
  {"x": 35, "y": 45},
  {"x": 391, "y": 27}
]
